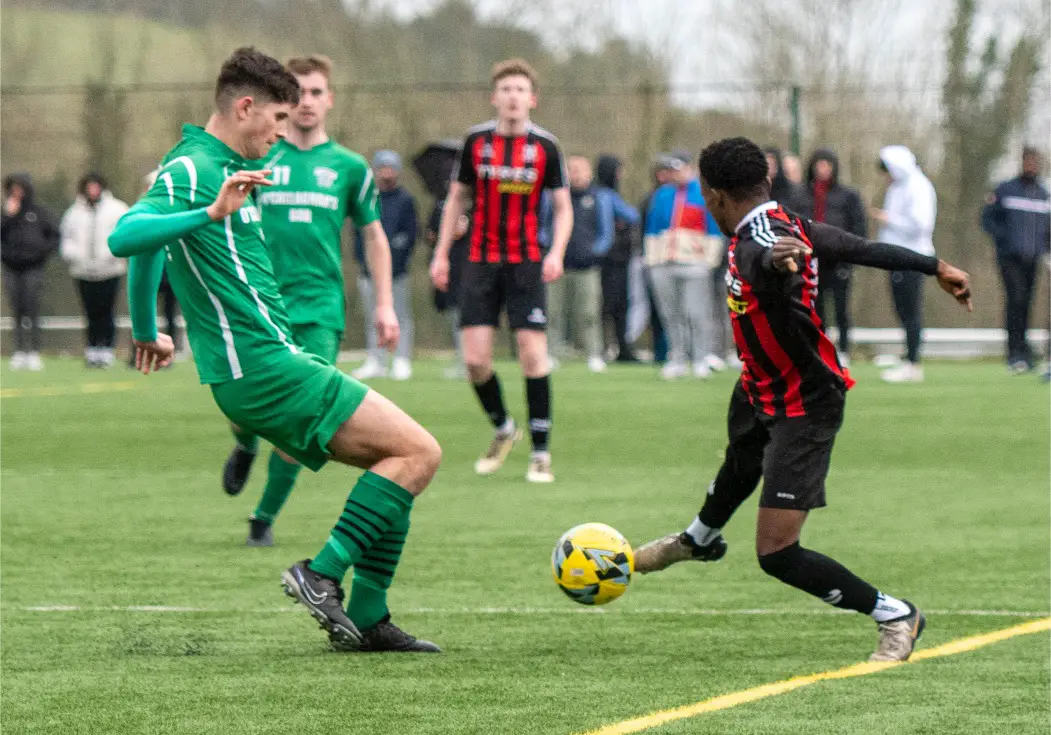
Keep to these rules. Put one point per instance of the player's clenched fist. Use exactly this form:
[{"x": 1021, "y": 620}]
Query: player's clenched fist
[{"x": 235, "y": 190}]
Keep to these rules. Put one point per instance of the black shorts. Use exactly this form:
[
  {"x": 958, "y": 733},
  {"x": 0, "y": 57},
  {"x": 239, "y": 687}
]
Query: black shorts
[
  {"x": 486, "y": 289},
  {"x": 793, "y": 453}
]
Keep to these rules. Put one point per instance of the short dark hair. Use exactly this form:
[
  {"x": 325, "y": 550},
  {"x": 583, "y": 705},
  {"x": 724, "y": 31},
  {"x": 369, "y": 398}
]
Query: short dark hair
[
  {"x": 736, "y": 166},
  {"x": 1030, "y": 151},
  {"x": 251, "y": 72}
]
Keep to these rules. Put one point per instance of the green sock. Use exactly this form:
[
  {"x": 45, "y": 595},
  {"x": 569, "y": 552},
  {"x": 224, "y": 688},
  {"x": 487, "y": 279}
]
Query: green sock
[
  {"x": 374, "y": 573},
  {"x": 246, "y": 439},
  {"x": 372, "y": 507},
  {"x": 280, "y": 478}
]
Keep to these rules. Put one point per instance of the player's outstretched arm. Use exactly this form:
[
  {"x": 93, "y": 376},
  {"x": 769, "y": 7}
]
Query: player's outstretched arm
[
  {"x": 832, "y": 243},
  {"x": 144, "y": 229}
]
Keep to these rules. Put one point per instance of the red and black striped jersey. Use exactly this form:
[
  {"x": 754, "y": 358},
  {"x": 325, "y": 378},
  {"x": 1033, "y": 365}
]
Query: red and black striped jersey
[
  {"x": 789, "y": 363},
  {"x": 508, "y": 175}
]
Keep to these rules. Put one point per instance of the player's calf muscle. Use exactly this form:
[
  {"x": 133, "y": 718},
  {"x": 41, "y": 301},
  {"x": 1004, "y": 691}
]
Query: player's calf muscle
[{"x": 532, "y": 353}]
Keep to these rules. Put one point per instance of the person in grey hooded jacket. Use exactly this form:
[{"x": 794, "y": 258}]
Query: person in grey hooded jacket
[{"x": 907, "y": 219}]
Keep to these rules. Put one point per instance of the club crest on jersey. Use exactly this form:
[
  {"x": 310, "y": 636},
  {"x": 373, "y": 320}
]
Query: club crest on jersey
[
  {"x": 487, "y": 150},
  {"x": 325, "y": 177},
  {"x": 529, "y": 154}
]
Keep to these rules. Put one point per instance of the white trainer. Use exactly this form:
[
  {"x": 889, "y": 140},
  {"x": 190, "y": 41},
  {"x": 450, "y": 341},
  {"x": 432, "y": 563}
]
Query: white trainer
[
  {"x": 499, "y": 448},
  {"x": 540, "y": 468},
  {"x": 18, "y": 361},
  {"x": 596, "y": 365},
  {"x": 371, "y": 368},
  {"x": 33, "y": 362},
  {"x": 715, "y": 363},
  {"x": 907, "y": 372},
  {"x": 701, "y": 370},
  {"x": 401, "y": 369},
  {"x": 673, "y": 371}
]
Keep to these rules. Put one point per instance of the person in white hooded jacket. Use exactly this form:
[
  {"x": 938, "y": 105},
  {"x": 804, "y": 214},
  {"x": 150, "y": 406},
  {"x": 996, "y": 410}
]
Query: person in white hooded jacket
[
  {"x": 907, "y": 219},
  {"x": 86, "y": 227}
]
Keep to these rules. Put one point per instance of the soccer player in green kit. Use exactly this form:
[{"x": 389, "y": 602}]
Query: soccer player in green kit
[
  {"x": 317, "y": 185},
  {"x": 201, "y": 221}
]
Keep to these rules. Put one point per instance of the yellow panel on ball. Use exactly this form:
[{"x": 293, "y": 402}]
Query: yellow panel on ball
[{"x": 592, "y": 563}]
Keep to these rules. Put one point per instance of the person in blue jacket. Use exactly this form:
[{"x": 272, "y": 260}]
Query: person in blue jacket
[{"x": 1016, "y": 216}]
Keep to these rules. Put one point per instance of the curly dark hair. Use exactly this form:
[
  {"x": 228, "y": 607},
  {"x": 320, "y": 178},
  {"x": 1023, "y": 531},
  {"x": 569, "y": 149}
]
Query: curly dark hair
[
  {"x": 736, "y": 166},
  {"x": 251, "y": 72}
]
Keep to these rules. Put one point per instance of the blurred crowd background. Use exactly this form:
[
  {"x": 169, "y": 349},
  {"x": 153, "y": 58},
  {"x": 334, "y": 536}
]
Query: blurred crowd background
[{"x": 103, "y": 87}]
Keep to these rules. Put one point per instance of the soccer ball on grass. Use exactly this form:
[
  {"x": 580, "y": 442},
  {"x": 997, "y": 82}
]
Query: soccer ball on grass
[{"x": 592, "y": 563}]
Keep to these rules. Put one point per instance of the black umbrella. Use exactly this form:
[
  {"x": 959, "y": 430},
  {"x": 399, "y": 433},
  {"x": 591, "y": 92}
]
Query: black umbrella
[{"x": 435, "y": 163}]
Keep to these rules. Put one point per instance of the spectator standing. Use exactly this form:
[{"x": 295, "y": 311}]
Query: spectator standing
[
  {"x": 827, "y": 200},
  {"x": 28, "y": 237},
  {"x": 448, "y": 302},
  {"x": 398, "y": 215},
  {"x": 576, "y": 298},
  {"x": 907, "y": 219},
  {"x": 682, "y": 247},
  {"x": 782, "y": 189},
  {"x": 85, "y": 230},
  {"x": 793, "y": 168},
  {"x": 615, "y": 264},
  {"x": 642, "y": 306},
  {"x": 1016, "y": 216}
]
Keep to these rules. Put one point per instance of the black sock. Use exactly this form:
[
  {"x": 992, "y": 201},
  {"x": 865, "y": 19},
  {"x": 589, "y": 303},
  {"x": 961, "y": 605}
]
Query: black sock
[
  {"x": 737, "y": 479},
  {"x": 492, "y": 399},
  {"x": 821, "y": 577},
  {"x": 538, "y": 399}
]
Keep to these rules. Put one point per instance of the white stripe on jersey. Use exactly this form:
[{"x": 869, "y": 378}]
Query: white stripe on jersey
[
  {"x": 224, "y": 323},
  {"x": 760, "y": 228},
  {"x": 255, "y": 294},
  {"x": 365, "y": 184},
  {"x": 191, "y": 171},
  {"x": 233, "y": 248},
  {"x": 232, "y": 244}
]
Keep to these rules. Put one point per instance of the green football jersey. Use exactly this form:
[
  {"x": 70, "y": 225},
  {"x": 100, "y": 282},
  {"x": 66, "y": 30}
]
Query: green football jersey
[
  {"x": 221, "y": 273},
  {"x": 314, "y": 192}
]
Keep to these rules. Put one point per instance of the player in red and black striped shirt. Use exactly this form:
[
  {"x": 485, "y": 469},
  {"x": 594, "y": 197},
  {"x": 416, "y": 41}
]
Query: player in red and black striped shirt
[
  {"x": 504, "y": 167},
  {"x": 787, "y": 407}
]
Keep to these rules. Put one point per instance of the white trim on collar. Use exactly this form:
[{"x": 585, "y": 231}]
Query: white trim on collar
[{"x": 764, "y": 207}]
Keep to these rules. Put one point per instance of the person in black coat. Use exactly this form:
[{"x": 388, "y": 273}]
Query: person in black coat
[
  {"x": 826, "y": 200},
  {"x": 29, "y": 236}
]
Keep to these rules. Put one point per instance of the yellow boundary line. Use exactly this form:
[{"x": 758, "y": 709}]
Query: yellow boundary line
[
  {"x": 726, "y": 701},
  {"x": 68, "y": 390}
]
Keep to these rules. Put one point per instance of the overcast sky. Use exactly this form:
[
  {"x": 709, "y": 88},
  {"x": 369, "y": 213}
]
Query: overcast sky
[{"x": 705, "y": 48}]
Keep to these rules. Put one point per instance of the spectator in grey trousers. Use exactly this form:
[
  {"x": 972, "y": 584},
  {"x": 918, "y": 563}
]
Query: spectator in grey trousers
[
  {"x": 683, "y": 245},
  {"x": 398, "y": 215},
  {"x": 576, "y": 298}
]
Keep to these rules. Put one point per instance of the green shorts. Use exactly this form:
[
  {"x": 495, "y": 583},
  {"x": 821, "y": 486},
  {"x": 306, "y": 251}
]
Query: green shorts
[
  {"x": 318, "y": 340},
  {"x": 297, "y": 405}
]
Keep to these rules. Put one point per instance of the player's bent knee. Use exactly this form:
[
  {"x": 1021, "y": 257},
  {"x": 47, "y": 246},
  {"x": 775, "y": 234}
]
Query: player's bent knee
[{"x": 779, "y": 563}]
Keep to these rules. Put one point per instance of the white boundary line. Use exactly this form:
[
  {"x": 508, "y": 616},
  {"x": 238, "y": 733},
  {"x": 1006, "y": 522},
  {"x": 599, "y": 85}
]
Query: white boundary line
[{"x": 682, "y": 612}]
